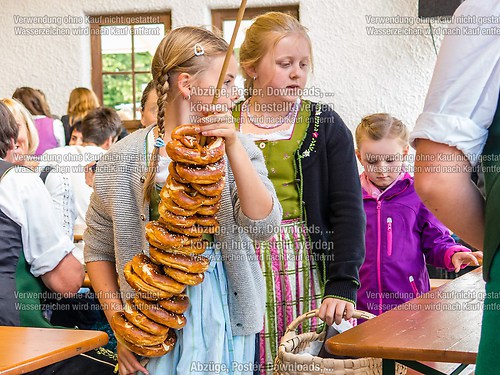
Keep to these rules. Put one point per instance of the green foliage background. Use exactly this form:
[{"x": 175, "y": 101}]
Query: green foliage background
[{"x": 117, "y": 88}]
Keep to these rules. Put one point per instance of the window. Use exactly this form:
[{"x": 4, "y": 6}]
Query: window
[
  {"x": 437, "y": 8},
  {"x": 123, "y": 47},
  {"x": 224, "y": 21}
]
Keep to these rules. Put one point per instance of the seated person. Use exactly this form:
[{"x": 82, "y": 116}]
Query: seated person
[
  {"x": 76, "y": 137},
  {"x": 149, "y": 106},
  {"x": 35, "y": 255},
  {"x": 50, "y": 130},
  {"x": 57, "y": 184},
  {"x": 100, "y": 129}
]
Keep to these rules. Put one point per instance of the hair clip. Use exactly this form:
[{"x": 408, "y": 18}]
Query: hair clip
[
  {"x": 159, "y": 142},
  {"x": 198, "y": 50}
]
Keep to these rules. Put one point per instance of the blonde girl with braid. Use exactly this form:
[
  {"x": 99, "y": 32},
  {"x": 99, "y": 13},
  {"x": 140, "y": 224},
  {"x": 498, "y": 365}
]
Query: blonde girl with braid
[
  {"x": 313, "y": 262},
  {"x": 221, "y": 329}
]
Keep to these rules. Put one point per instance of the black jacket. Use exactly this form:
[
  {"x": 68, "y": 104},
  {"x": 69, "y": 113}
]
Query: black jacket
[{"x": 332, "y": 203}]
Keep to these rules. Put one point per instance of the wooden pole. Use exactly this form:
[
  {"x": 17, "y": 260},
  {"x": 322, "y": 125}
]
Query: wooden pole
[{"x": 229, "y": 53}]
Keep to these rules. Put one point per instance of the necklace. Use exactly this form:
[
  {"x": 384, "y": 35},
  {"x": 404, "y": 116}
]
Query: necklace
[{"x": 290, "y": 115}]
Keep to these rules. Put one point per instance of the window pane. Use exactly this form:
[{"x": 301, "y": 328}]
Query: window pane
[
  {"x": 141, "y": 81},
  {"x": 116, "y": 44},
  {"x": 146, "y": 40},
  {"x": 117, "y": 93},
  {"x": 227, "y": 32}
]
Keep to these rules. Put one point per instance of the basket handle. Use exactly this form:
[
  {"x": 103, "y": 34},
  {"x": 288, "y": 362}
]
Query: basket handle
[{"x": 358, "y": 314}]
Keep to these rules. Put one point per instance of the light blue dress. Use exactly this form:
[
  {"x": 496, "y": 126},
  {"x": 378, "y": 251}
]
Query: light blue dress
[{"x": 206, "y": 344}]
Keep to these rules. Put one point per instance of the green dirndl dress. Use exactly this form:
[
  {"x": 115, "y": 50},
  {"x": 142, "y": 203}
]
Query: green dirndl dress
[{"x": 294, "y": 284}]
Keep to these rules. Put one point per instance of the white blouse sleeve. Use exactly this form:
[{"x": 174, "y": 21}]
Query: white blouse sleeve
[
  {"x": 59, "y": 186},
  {"x": 25, "y": 200},
  {"x": 59, "y": 132},
  {"x": 463, "y": 94}
]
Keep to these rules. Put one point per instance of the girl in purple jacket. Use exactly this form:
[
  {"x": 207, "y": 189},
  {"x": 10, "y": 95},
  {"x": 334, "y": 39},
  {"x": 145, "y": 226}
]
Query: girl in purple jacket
[{"x": 402, "y": 235}]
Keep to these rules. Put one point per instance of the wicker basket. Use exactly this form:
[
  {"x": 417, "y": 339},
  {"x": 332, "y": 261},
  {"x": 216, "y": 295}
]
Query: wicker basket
[{"x": 288, "y": 362}]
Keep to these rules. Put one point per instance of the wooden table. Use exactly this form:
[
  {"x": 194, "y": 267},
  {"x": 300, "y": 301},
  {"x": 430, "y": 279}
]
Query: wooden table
[
  {"x": 443, "y": 325},
  {"x": 25, "y": 349}
]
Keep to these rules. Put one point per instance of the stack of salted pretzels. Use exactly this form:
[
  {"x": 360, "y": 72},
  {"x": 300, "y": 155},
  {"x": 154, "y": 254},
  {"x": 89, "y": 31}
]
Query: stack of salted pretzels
[{"x": 189, "y": 201}]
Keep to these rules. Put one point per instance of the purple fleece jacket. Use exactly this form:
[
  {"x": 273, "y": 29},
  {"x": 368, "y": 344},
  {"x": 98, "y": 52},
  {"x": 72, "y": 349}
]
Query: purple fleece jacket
[{"x": 402, "y": 235}]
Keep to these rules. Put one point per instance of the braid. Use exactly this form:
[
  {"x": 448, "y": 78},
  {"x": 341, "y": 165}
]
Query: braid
[
  {"x": 176, "y": 54},
  {"x": 162, "y": 88}
]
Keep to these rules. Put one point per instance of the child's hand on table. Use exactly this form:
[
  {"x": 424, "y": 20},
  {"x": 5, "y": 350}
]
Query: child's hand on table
[{"x": 463, "y": 259}]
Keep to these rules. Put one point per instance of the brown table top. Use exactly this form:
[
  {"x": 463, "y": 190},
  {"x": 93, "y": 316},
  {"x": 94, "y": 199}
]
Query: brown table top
[
  {"x": 26, "y": 349},
  {"x": 443, "y": 325}
]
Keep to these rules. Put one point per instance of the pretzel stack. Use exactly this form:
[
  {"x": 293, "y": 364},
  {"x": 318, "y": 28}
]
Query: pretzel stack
[{"x": 190, "y": 199}]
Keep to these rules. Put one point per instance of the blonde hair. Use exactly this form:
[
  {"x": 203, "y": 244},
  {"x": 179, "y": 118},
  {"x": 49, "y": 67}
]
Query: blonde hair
[
  {"x": 264, "y": 34},
  {"x": 379, "y": 126},
  {"x": 81, "y": 101},
  {"x": 175, "y": 55},
  {"x": 17, "y": 109}
]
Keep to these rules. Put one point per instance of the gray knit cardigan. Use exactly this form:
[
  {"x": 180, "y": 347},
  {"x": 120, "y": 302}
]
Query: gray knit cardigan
[{"x": 116, "y": 218}]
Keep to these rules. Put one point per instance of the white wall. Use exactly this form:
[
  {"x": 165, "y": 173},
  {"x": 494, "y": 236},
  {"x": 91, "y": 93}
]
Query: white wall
[{"x": 364, "y": 73}]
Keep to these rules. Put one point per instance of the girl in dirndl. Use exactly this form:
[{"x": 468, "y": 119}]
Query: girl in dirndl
[
  {"x": 313, "y": 261},
  {"x": 219, "y": 336}
]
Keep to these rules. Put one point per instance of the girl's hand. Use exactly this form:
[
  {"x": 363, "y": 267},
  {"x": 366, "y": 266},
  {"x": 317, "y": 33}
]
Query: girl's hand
[
  {"x": 334, "y": 310},
  {"x": 219, "y": 124},
  {"x": 463, "y": 259},
  {"x": 127, "y": 361}
]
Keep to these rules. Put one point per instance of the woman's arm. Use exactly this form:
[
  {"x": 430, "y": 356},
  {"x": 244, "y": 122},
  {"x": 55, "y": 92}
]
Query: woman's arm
[
  {"x": 66, "y": 277},
  {"x": 59, "y": 186},
  {"x": 103, "y": 278},
  {"x": 442, "y": 180},
  {"x": 346, "y": 222},
  {"x": 100, "y": 260}
]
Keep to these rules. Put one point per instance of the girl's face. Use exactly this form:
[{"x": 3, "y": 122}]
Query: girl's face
[
  {"x": 150, "y": 110},
  {"x": 282, "y": 72},
  {"x": 76, "y": 138},
  {"x": 203, "y": 87},
  {"x": 382, "y": 159}
]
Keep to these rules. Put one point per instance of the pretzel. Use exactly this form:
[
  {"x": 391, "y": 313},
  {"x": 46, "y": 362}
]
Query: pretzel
[
  {"x": 152, "y": 274},
  {"x": 210, "y": 190},
  {"x": 146, "y": 291},
  {"x": 134, "y": 334},
  {"x": 176, "y": 304},
  {"x": 157, "y": 235},
  {"x": 184, "y": 277},
  {"x": 150, "y": 351},
  {"x": 205, "y": 174},
  {"x": 184, "y": 195},
  {"x": 158, "y": 314},
  {"x": 191, "y": 264},
  {"x": 140, "y": 320},
  {"x": 185, "y": 147}
]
